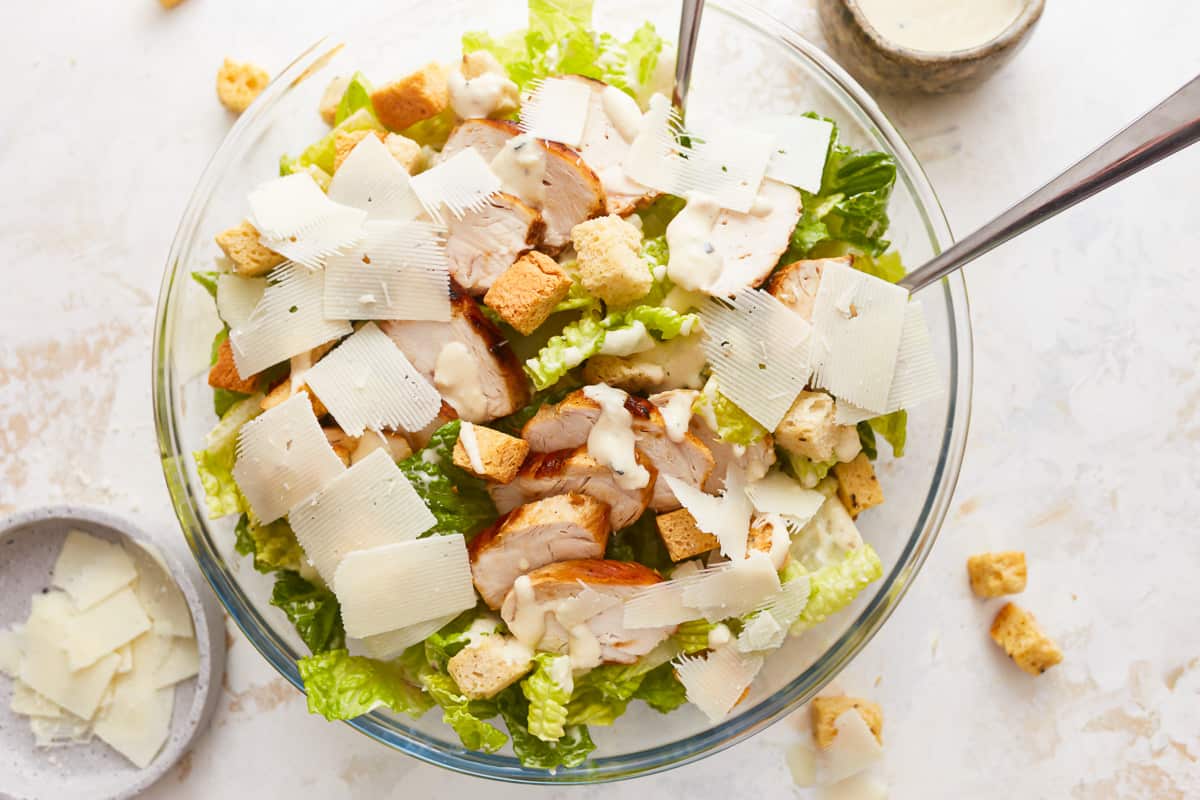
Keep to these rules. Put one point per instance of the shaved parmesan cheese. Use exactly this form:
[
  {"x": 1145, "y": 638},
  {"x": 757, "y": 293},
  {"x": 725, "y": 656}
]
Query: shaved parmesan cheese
[
  {"x": 397, "y": 585},
  {"x": 58, "y": 731},
  {"x": 28, "y": 702},
  {"x": 715, "y": 684},
  {"x": 398, "y": 271},
  {"x": 137, "y": 721},
  {"x": 297, "y": 220},
  {"x": 729, "y": 164},
  {"x": 339, "y": 230},
  {"x": 47, "y": 671},
  {"x": 367, "y": 382},
  {"x": 659, "y": 606},
  {"x": 916, "y": 378},
  {"x": 369, "y": 505},
  {"x": 90, "y": 569},
  {"x": 778, "y": 494},
  {"x": 386, "y": 646},
  {"x": 768, "y": 628},
  {"x": 580, "y": 608},
  {"x": 125, "y": 665},
  {"x": 237, "y": 298},
  {"x": 857, "y": 320},
  {"x": 759, "y": 351},
  {"x": 150, "y": 652},
  {"x": 182, "y": 662},
  {"x": 372, "y": 180},
  {"x": 799, "y": 148},
  {"x": 11, "y": 648},
  {"x": 762, "y": 632},
  {"x": 734, "y": 590},
  {"x": 283, "y": 457},
  {"x": 470, "y": 443},
  {"x": 158, "y": 593},
  {"x": 852, "y": 751},
  {"x": 461, "y": 183},
  {"x": 103, "y": 628},
  {"x": 556, "y": 110},
  {"x": 289, "y": 320},
  {"x": 726, "y": 517},
  {"x": 849, "y": 414}
]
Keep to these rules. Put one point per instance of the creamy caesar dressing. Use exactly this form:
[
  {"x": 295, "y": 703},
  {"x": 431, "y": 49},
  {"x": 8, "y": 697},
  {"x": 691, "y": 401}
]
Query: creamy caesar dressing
[
  {"x": 521, "y": 167},
  {"x": 560, "y": 673},
  {"x": 466, "y": 435},
  {"x": 484, "y": 625},
  {"x": 719, "y": 635},
  {"x": 622, "y": 110},
  {"x": 694, "y": 263},
  {"x": 677, "y": 412},
  {"x": 627, "y": 341},
  {"x": 611, "y": 440},
  {"x": 528, "y": 621},
  {"x": 487, "y": 90},
  {"x": 941, "y": 26},
  {"x": 456, "y": 376},
  {"x": 583, "y": 648}
]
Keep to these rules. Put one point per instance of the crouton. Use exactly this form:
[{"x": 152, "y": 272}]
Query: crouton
[
  {"x": 332, "y": 98},
  {"x": 241, "y": 246},
  {"x": 857, "y": 486},
  {"x": 525, "y": 293},
  {"x": 346, "y": 141},
  {"x": 421, "y": 95},
  {"x": 397, "y": 446},
  {"x": 826, "y": 710},
  {"x": 1016, "y": 630},
  {"x": 630, "y": 374},
  {"x": 682, "y": 538},
  {"x": 224, "y": 374},
  {"x": 808, "y": 430},
  {"x": 761, "y": 539},
  {"x": 610, "y": 266},
  {"x": 404, "y": 150},
  {"x": 284, "y": 390},
  {"x": 997, "y": 574},
  {"x": 238, "y": 83},
  {"x": 343, "y": 444},
  {"x": 500, "y": 455},
  {"x": 485, "y": 669}
]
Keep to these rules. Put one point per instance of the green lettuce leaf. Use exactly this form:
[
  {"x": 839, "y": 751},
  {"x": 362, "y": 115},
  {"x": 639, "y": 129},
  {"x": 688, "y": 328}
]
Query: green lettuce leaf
[
  {"x": 731, "y": 423},
  {"x": 579, "y": 341},
  {"x": 692, "y": 636},
  {"x": 577, "y": 299},
  {"x": 658, "y": 215},
  {"x": 439, "y": 648},
  {"x": 547, "y": 697},
  {"x": 640, "y": 542},
  {"x": 462, "y": 715},
  {"x": 312, "y": 609},
  {"x": 834, "y": 586},
  {"x": 223, "y": 399},
  {"x": 342, "y": 686},
  {"x": 320, "y": 153},
  {"x": 642, "y": 52},
  {"x": 866, "y": 437},
  {"x": 603, "y": 694},
  {"x": 569, "y": 751},
  {"x": 661, "y": 689},
  {"x": 894, "y": 428},
  {"x": 459, "y": 501},
  {"x": 215, "y": 462},
  {"x": 208, "y": 280},
  {"x": 356, "y": 96},
  {"x": 273, "y": 546},
  {"x": 666, "y": 322},
  {"x": 806, "y": 471}
]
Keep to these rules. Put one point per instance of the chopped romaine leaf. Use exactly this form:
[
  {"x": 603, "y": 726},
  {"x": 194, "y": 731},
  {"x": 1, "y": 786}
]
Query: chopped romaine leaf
[
  {"x": 866, "y": 437},
  {"x": 458, "y": 712},
  {"x": 439, "y": 648},
  {"x": 273, "y": 546},
  {"x": 603, "y": 694},
  {"x": 661, "y": 689},
  {"x": 640, "y": 542},
  {"x": 894, "y": 428},
  {"x": 579, "y": 341},
  {"x": 658, "y": 215},
  {"x": 833, "y": 587},
  {"x": 577, "y": 298},
  {"x": 215, "y": 462},
  {"x": 208, "y": 280},
  {"x": 459, "y": 501},
  {"x": 569, "y": 751},
  {"x": 312, "y": 609},
  {"x": 547, "y": 697},
  {"x": 356, "y": 96},
  {"x": 321, "y": 153},
  {"x": 731, "y": 423},
  {"x": 666, "y": 322},
  {"x": 692, "y": 636},
  {"x": 342, "y": 686},
  {"x": 806, "y": 471}
]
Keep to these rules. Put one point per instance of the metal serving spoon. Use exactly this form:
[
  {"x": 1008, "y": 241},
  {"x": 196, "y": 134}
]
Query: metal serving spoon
[{"x": 689, "y": 33}]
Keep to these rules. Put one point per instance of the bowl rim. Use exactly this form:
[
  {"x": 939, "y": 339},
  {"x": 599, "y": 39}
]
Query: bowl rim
[{"x": 175, "y": 460}]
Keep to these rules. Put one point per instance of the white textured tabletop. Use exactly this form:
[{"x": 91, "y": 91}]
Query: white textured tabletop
[{"x": 1083, "y": 450}]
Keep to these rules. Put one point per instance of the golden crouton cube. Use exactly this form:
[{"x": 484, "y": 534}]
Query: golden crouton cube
[
  {"x": 489, "y": 667},
  {"x": 1016, "y": 630},
  {"x": 343, "y": 444},
  {"x": 346, "y": 141},
  {"x": 525, "y": 293},
  {"x": 284, "y": 390},
  {"x": 224, "y": 374},
  {"x": 238, "y": 83},
  {"x": 808, "y": 429},
  {"x": 682, "y": 537},
  {"x": 332, "y": 98},
  {"x": 500, "y": 455},
  {"x": 610, "y": 266},
  {"x": 421, "y": 95},
  {"x": 997, "y": 574},
  {"x": 241, "y": 245},
  {"x": 857, "y": 485},
  {"x": 826, "y": 710},
  {"x": 404, "y": 150}
]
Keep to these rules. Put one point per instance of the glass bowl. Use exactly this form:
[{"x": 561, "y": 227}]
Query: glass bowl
[{"x": 748, "y": 63}]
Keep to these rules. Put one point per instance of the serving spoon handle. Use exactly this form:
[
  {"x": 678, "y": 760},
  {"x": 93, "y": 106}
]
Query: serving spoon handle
[
  {"x": 689, "y": 34},
  {"x": 1170, "y": 126}
]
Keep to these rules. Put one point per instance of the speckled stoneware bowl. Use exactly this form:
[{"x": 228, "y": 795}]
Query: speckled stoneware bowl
[
  {"x": 882, "y": 64},
  {"x": 29, "y": 545}
]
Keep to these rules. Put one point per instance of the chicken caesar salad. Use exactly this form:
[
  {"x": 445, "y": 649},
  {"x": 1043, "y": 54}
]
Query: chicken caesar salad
[{"x": 536, "y": 402}]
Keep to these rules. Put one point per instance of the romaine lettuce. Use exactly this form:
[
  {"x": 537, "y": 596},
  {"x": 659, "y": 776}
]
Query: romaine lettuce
[
  {"x": 208, "y": 280},
  {"x": 215, "y": 462},
  {"x": 342, "y": 686},
  {"x": 462, "y": 715},
  {"x": 640, "y": 542},
  {"x": 579, "y": 341},
  {"x": 547, "y": 697},
  {"x": 312, "y": 609},
  {"x": 440, "y": 647},
  {"x": 806, "y": 471},
  {"x": 894, "y": 428},
  {"x": 603, "y": 694},
  {"x": 459, "y": 501},
  {"x": 730, "y": 422},
  {"x": 661, "y": 689},
  {"x": 273, "y": 546},
  {"x": 833, "y": 587},
  {"x": 692, "y": 636},
  {"x": 569, "y": 751},
  {"x": 356, "y": 96}
]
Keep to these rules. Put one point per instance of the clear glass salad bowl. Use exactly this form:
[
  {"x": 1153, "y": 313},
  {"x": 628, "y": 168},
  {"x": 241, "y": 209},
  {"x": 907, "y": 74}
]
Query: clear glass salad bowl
[{"x": 748, "y": 63}]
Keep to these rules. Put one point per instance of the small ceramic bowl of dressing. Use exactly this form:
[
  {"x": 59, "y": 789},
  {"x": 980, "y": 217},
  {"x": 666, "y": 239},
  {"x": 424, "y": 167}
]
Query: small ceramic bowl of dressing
[{"x": 928, "y": 46}]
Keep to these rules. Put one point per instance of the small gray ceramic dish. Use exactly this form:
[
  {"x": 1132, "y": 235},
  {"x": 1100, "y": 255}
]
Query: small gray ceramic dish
[
  {"x": 29, "y": 545},
  {"x": 884, "y": 65}
]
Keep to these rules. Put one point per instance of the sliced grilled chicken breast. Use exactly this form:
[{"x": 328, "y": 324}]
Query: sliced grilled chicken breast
[
  {"x": 559, "y": 528},
  {"x": 546, "y": 474},
  {"x": 605, "y": 150},
  {"x": 573, "y": 192},
  {"x": 567, "y": 425},
  {"x": 487, "y": 241},
  {"x": 751, "y": 244},
  {"x": 795, "y": 285},
  {"x": 553, "y": 584},
  {"x": 498, "y": 386}
]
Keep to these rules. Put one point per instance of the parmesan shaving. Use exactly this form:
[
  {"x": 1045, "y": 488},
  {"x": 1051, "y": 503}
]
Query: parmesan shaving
[
  {"x": 759, "y": 351},
  {"x": 182, "y": 662},
  {"x": 852, "y": 751},
  {"x": 158, "y": 593},
  {"x": 367, "y": 382},
  {"x": 726, "y": 517},
  {"x": 237, "y": 297},
  {"x": 799, "y": 148},
  {"x": 557, "y": 110},
  {"x": 369, "y": 505},
  {"x": 386, "y": 646},
  {"x": 297, "y": 220},
  {"x": 289, "y": 320},
  {"x": 372, "y": 180},
  {"x": 580, "y": 608},
  {"x": 90, "y": 569},
  {"x": 461, "y": 183},
  {"x": 659, "y": 606},
  {"x": 283, "y": 457},
  {"x": 466, "y": 435},
  {"x": 398, "y": 271},
  {"x": 398, "y": 585},
  {"x": 715, "y": 684},
  {"x": 103, "y": 628},
  {"x": 778, "y": 494},
  {"x": 137, "y": 721},
  {"x": 916, "y": 378},
  {"x": 735, "y": 590},
  {"x": 28, "y": 702},
  {"x": 768, "y": 628}
]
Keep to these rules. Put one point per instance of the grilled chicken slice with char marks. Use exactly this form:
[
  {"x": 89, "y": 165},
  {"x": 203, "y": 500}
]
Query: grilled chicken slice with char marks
[
  {"x": 560, "y": 528},
  {"x": 751, "y": 244},
  {"x": 486, "y": 241},
  {"x": 573, "y": 192},
  {"x": 567, "y": 425},
  {"x": 546, "y": 474},
  {"x": 495, "y": 386},
  {"x": 534, "y": 610}
]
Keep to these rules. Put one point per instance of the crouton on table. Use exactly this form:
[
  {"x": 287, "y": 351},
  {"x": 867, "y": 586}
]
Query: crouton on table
[
  {"x": 490, "y": 666},
  {"x": 421, "y": 95},
  {"x": 997, "y": 574},
  {"x": 500, "y": 455},
  {"x": 682, "y": 537},
  {"x": 526, "y": 293},
  {"x": 826, "y": 710},
  {"x": 241, "y": 245},
  {"x": 610, "y": 266},
  {"x": 808, "y": 429},
  {"x": 239, "y": 83},
  {"x": 1016, "y": 630},
  {"x": 224, "y": 374},
  {"x": 857, "y": 486}
]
